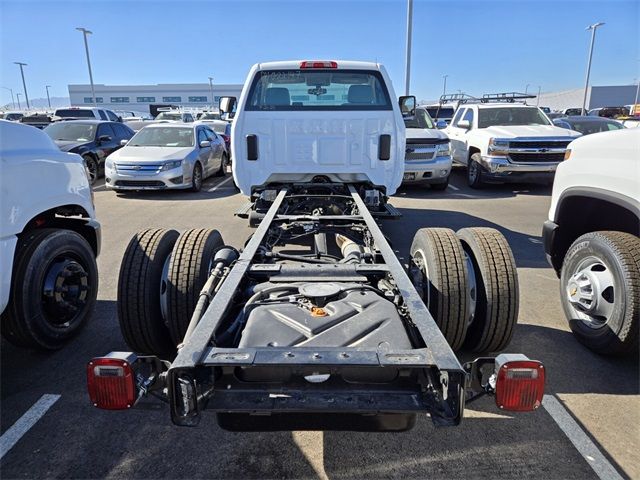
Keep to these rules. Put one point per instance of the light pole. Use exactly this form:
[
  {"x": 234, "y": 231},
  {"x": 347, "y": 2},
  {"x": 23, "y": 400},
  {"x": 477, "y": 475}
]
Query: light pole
[
  {"x": 538, "y": 97},
  {"x": 24, "y": 85},
  {"x": 13, "y": 102},
  {"x": 586, "y": 83},
  {"x": 86, "y": 32},
  {"x": 18, "y": 97},
  {"x": 48, "y": 99},
  {"x": 526, "y": 89},
  {"x": 211, "y": 90},
  {"x": 444, "y": 88},
  {"x": 407, "y": 73}
]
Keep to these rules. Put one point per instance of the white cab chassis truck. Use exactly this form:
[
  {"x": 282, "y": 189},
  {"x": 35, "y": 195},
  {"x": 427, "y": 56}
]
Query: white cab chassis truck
[
  {"x": 316, "y": 324},
  {"x": 592, "y": 240},
  {"x": 49, "y": 240},
  {"x": 500, "y": 140}
]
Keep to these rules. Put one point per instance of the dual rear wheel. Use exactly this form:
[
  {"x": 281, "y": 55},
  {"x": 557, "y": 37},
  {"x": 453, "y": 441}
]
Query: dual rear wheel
[{"x": 469, "y": 283}]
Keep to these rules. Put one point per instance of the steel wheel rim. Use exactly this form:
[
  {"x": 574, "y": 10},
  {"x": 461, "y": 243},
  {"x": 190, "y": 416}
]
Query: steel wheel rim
[
  {"x": 591, "y": 292},
  {"x": 472, "y": 288},
  {"x": 164, "y": 280},
  {"x": 64, "y": 291},
  {"x": 421, "y": 263}
]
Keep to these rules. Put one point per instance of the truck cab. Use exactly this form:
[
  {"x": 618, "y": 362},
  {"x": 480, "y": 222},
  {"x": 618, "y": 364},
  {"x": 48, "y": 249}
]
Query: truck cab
[
  {"x": 499, "y": 140},
  {"x": 318, "y": 121}
]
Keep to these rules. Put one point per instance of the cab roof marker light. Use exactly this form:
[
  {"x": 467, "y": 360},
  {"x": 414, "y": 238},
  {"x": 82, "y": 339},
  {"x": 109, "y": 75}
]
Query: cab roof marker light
[
  {"x": 519, "y": 383},
  {"x": 318, "y": 64}
]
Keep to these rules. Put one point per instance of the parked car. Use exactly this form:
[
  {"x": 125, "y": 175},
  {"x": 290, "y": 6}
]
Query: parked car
[
  {"x": 11, "y": 116},
  {"x": 428, "y": 152},
  {"x": 587, "y": 125},
  {"x": 38, "y": 120},
  {"x": 167, "y": 156},
  {"x": 554, "y": 115},
  {"x": 592, "y": 240},
  {"x": 87, "y": 112},
  {"x": 441, "y": 112},
  {"x": 572, "y": 111},
  {"x": 546, "y": 110},
  {"x": 208, "y": 116},
  {"x": 610, "y": 112},
  {"x": 49, "y": 240},
  {"x": 183, "y": 117},
  {"x": 223, "y": 129},
  {"x": 92, "y": 139},
  {"x": 511, "y": 142}
]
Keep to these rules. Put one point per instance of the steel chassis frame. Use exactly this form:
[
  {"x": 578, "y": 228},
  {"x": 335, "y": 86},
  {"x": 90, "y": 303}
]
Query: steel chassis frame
[{"x": 430, "y": 379}]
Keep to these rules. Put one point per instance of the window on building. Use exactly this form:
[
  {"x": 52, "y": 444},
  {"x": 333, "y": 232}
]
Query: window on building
[
  {"x": 119, "y": 99},
  {"x": 198, "y": 99},
  {"x": 171, "y": 99},
  {"x": 90, "y": 100},
  {"x": 146, "y": 99}
]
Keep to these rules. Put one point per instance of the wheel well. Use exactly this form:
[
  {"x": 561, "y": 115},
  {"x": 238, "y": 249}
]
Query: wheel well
[
  {"x": 580, "y": 214},
  {"x": 70, "y": 217},
  {"x": 473, "y": 150}
]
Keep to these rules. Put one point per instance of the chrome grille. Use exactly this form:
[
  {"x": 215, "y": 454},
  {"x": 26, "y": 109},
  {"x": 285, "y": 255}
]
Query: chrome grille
[
  {"x": 140, "y": 168},
  {"x": 419, "y": 151}
]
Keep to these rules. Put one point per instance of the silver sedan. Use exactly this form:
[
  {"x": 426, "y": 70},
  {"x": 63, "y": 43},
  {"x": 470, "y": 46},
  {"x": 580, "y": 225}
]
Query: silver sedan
[{"x": 167, "y": 156}]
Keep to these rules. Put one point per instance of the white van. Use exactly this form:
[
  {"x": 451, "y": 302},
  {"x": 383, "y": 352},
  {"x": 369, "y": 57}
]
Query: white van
[{"x": 315, "y": 121}]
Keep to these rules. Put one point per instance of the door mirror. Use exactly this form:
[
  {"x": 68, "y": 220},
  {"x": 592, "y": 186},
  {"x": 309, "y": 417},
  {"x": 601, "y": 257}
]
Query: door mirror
[
  {"x": 440, "y": 124},
  {"x": 464, "y": 124},
  {"x": 227, "y": 104},
  {"x": 407, "y": 105},
  {"x": 104, "y": 139},
  {"x": 123, "y": 142},
  {"x": 205, "y": 144}
]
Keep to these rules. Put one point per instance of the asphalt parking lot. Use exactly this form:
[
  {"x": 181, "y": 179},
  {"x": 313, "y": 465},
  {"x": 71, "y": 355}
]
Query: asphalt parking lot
[{"x": 592, "y": 401}]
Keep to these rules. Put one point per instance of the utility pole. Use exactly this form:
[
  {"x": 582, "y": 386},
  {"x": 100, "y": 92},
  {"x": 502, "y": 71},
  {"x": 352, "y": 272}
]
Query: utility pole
[
  {"x": 18, "y": 97},
  {"x": 407, "y": 73},
  {"x": 48, "y": 99},
  {"x": 86, "y": 32},
  {"x": 538, "y": 97},
  {"x": 586, "y": 83},
  {"x": 13, "y": 102},
  {"x": 211, "y": 90},
  {"x": 444, "y": 88},
  {"x": 526, "y": 89},
  {"x": 24, "y": 84}
]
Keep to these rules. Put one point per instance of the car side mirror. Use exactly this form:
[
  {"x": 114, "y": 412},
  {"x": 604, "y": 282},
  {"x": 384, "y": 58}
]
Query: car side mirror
[
  {"x": 227, "y": 104},
  {"x": 123, "y": 142},
  {"x": 464, "y": 124},
  {"x": 441, "y": 124},
  {"x": 407, "y": 105},
  {"x": 104, "y": 138},
  {"x": 205, "y": 144}
]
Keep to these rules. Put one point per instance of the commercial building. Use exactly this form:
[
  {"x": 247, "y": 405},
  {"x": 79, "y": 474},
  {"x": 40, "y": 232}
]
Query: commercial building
[
  {"x": 139, "y": 98},
  {"x": 597, "y": 96}
]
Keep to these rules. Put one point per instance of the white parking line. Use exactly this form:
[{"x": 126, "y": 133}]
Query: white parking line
[
  {"x": 226, "y": 180},
  {"x": 25, "y": 422},
  {"x": 453, "y": 187},
  {"x": 580, "y": 440}
]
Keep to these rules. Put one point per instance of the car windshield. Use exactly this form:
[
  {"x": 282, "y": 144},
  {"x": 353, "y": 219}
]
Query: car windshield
[
  {"x": 73, "y": 132},
  {"x": 169, "y": 116},
  {"x": 587, "y": 127},
  {"x": 163, "y": 137},
  {"x": 210, "y": 116},
  {"x": 441, "y": 113},
  {"x": 420, "y": 120},
  {"x": 488, "y": 117},
  {"x": 318, "y": 90},
  {"x": 73, "y": 113}
]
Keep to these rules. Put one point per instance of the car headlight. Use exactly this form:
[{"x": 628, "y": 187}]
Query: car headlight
[
  {"x": 108, "y": 164},
  {"x": 443, "y": 150},
  {"x": 498, "y": 146},
  {"x": 171, "y": 165}
]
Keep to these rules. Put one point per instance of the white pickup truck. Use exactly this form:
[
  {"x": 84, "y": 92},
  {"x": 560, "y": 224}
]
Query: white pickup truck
[
  {"x": 49, "y": 240},
  {"x": 512, "y": 142},
  {"x": 592, "y": 239}
]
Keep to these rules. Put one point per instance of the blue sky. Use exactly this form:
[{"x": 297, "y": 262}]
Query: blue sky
[{"x": 482, "y": 46}]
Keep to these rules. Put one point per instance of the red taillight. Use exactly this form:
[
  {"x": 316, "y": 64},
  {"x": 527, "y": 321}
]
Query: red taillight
[
  {"x": 111, "y": 381},
  {"x": 318, "y": 64},
  {"x": 519, "y": 383},
  {"x": 226, "y": 138}
]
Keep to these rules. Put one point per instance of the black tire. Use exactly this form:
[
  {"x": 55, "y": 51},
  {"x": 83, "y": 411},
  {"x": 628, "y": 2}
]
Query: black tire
[
  {"x": 189, "y": 269},
  {"x": 92, "y": 168},
  {"x": 496, "y": 289},
  {"x": 618, "y": 256},
  {"x": 441, "y": 280},
  {"x": 475, "y": 171},
  {"x": 222, "y": 171},
  {"x": 196, "y": 178},
  {"x": 53, "y": 290},
  {"x": 139, "y": 291},
  {"x": 440, "y": 186}
]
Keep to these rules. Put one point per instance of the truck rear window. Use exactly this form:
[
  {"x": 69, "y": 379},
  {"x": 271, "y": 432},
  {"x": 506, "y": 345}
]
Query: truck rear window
[
  {"x": 75, "y": 113},
  {"x": 300, "y": 90}
]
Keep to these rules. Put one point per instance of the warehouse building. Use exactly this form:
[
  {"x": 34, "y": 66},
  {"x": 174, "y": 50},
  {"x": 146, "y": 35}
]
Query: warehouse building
[
  {"x": 139, "y": 98},
  {"x": 597, "y": 96}
]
